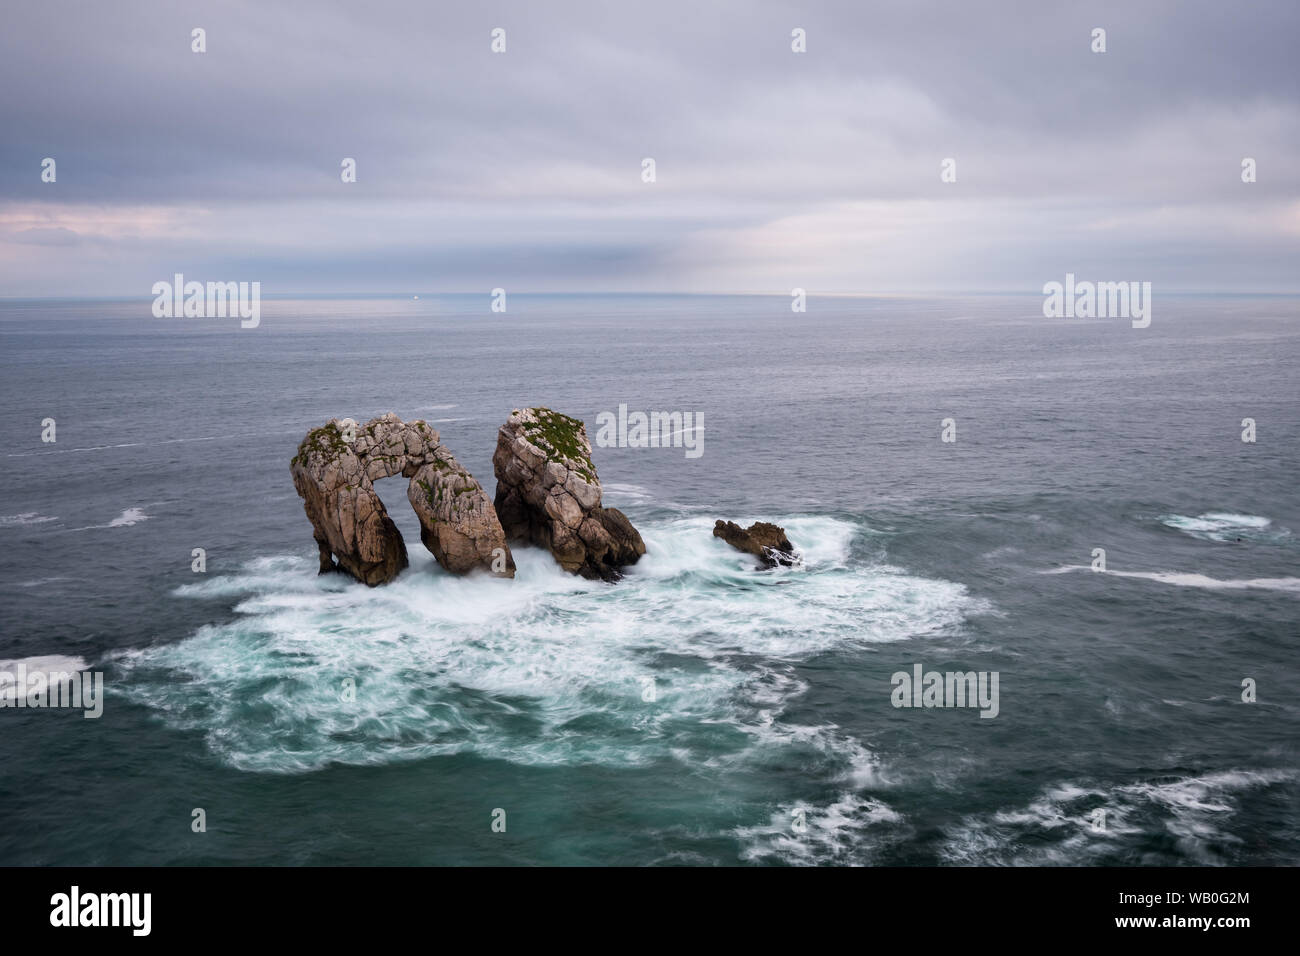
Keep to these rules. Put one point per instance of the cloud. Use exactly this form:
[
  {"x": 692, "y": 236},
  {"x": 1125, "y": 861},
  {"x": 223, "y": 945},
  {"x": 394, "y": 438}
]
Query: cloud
[{"x": 478, "y": 169}]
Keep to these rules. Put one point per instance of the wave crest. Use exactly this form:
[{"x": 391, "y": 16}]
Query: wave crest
[{"x": 544, "y": 669}]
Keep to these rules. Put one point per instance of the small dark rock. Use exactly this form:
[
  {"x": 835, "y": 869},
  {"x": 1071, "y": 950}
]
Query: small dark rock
[{"x": 767, "y": 542}]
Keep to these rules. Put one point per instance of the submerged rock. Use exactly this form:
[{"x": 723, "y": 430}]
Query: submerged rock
[
  {"x": 334, "y": 473},
  {"x": 767, "y": 542},
  {"x": 548, "y": 494}
]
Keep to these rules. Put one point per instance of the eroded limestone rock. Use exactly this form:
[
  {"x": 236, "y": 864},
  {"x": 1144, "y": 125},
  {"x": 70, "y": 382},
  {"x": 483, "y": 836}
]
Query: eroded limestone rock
[
  {"x": 548, "y": 494},
  {"x": 766, "y": 541},
  {"x": 457, "y": 521},
  {"x": 334, "y": 473}
]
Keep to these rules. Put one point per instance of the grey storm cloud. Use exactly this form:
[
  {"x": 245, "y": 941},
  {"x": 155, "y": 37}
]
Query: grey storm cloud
[{"x": 774, "y": 169}]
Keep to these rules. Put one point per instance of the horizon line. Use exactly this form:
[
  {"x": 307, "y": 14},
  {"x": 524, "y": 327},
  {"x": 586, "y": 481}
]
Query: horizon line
[{"x": 897, "y": 293}]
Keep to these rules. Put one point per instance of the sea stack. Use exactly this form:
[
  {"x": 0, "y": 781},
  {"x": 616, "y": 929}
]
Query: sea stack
[
  {"x": 334, "y": 473},
  {"x": 548, "y": 494}
]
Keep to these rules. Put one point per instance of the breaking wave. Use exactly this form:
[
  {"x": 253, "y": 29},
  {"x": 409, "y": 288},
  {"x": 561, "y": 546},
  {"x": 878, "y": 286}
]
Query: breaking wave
[
  {"x": 26, "y": 518},
  {"x": 848, "y": 832},
  {"x": 1079, "y": 824},
  {"x": 1186, "y": 579},
  {"x": 547, "y": 669},
  {"x": 1224, "y": 526}
]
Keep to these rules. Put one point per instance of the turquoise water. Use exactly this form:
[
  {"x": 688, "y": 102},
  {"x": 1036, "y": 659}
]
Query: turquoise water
[{"x": 1119, "y": 692}]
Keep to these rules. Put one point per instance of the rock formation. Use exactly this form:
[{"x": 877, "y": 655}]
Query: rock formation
[
  {"x": 765, "y": 541},
  {"x": 457, "y": 521},
  {"x": 548, "y": 494},
  {"x": 335, "y": 470}
]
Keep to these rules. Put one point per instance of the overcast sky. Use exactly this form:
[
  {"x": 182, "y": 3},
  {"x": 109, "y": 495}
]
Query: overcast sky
[{"x": 523, "y": 169}]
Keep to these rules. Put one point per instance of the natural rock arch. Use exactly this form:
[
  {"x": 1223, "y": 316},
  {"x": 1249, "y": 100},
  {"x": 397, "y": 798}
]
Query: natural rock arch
[
  {"x": 548, "y": 494},
  {"x": 334, "y": 473}
]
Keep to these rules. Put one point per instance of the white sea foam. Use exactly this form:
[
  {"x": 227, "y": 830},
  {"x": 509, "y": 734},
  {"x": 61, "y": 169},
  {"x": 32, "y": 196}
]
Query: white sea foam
[
  {"x": 613, "y": 491},
  {"x": 545, "y": 669},
  {"x": 128, "y": 517},
  {"x": 848, "y": 832},
  {"x": 1190, "y": 580},
  {"x": 1224, "y": 526},
  {"x": 26, "y": 518},
  {"x": 133, "y": 444},
  {"x": 1057, "y": 827},
  {"x": 46, "y": 664}
]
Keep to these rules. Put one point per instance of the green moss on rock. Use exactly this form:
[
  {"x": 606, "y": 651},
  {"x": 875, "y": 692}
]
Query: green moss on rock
[
  {"x": 326, "y": 440},
  {"x": 557, "y": 435}
]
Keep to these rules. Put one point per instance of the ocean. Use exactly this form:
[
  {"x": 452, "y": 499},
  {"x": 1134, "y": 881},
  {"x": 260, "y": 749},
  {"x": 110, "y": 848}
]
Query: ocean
[{"x": 1147, "y": 713}]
